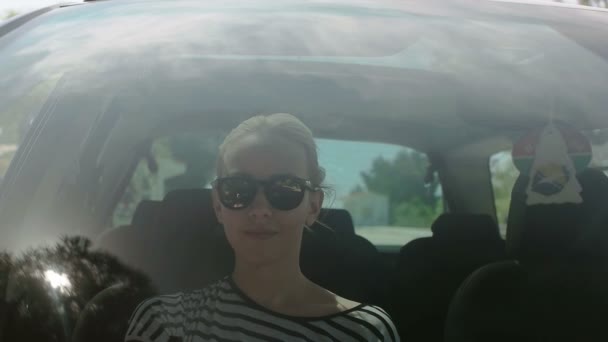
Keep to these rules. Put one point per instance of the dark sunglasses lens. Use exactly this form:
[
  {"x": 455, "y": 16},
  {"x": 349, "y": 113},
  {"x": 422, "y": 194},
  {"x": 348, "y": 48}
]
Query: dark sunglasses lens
[
  {"x": 285, "y": 193},
  {"x": 236, "y": 193}
]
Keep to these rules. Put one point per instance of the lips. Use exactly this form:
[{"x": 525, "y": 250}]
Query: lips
[{"x": 260, "y": 234}]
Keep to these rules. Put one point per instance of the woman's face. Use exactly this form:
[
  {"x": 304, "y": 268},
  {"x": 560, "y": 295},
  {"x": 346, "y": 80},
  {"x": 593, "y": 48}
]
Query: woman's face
[{"x": 259, "y": 233}]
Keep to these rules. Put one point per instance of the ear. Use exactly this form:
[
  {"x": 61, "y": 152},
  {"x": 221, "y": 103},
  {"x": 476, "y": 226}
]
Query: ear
[
  {"x": 217, "y": 206},
  {"x": 316, "y": 203}
]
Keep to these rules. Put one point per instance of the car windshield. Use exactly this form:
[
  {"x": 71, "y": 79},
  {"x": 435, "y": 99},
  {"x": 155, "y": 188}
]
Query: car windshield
[{"x": 431, "y": 121}]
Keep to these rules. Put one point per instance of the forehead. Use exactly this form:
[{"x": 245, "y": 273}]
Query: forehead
[{"x": 263, "y": 157}]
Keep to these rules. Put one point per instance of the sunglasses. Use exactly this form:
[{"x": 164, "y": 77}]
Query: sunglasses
[{"x": 283, "y": 192}]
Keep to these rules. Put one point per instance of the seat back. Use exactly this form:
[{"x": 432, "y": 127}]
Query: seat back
[
  {"x": 490, "y": 306},
  {"x": 128, "y": 242},
  {"x": 146, "y": 213},
  {"x": 196, "y": 251},
  {"x": 558, "y": 288},
  {"x": 557, "y": 233},
  {"x": 509, "y": 301},
  {"x": 167, "y": 238},
  {"x": 334, "y": 257},
  {"x": 430, "y": 270}
]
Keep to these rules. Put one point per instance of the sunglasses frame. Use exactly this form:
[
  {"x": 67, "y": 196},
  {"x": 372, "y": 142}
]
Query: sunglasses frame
[{"x": 304, "y": 183}]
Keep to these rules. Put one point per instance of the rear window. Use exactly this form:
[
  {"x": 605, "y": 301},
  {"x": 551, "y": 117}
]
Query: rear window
[
  {"x": 16, "y": 119},
  {"x": 381, "y": 185}
]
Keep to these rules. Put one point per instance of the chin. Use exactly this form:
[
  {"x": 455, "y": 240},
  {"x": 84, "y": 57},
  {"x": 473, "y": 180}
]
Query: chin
[{"x": 259, "y": 259}]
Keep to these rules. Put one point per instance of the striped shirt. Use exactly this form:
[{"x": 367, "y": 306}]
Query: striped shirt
[{"x": 221, "y": 312}]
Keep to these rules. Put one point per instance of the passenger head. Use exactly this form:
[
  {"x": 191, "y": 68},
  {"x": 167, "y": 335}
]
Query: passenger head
[{"x": 268, "y": 187}]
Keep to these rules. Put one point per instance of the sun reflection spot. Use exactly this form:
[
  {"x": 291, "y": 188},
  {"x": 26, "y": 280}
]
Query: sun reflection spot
[{"x": 58, "y": 281}]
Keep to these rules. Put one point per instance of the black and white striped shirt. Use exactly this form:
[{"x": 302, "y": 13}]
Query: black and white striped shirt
[{"x": 221, "y": 312}]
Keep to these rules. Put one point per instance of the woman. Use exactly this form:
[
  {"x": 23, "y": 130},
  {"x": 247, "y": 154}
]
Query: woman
[{"x": 268, "y": 190}]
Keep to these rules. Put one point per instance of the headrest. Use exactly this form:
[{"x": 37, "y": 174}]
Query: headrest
[
  {"x": 595, "y": 189},
  {"x": 455, "y": 226},
  {"x": 552, "y": 230},
  {"x": 548, "y": 158},
  {"x": 188, "y": 197},
  {"x": 145, "y": 213},
  {"x": 338, "y": 220},
  {"x": 188, "y": 206}
]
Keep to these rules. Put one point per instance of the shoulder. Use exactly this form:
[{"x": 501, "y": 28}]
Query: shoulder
[
  {"x": 157, "y": 315},
  {"x": 148, "y": 321},
  {"x": 171, "y": 301},
  {"x": 376, "y": 320},
  {"x": 156, "y": 305},
  {"x": 153, "y": 313},
  {"x": 168, "y": 302}
]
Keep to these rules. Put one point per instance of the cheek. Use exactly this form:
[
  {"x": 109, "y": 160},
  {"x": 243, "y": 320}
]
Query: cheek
[
  {"x": 233, "y": 222},
  {"x": 291, "y": 227},
  {"x": 291, "y": 224}
]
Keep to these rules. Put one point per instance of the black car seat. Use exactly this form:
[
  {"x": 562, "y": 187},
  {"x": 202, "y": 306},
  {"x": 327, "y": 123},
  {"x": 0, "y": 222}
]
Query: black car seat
[
  {"x": 196, "y": 252},
  {"x": 146, "y": 213},
  {"x": 430, "y": 270},
  {"x": 557, "y": 288},
  {"x": 167, "y": 239},
  {"x": 591, "y": 245},
  {"x": 490, "y": 306},
  {"x": 334, "y": 257},
  {"x": 338, "y": 220},
  {"x": 127, "y": 242},
  {"x": 561, "y": 232},
  {"x": 507, "y": 301}
]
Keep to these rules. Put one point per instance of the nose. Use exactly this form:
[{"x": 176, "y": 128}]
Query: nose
[{"x": 260, "y": 208}]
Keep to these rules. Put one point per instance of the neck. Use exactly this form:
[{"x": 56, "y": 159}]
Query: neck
[{"x": 270, "y": 285}]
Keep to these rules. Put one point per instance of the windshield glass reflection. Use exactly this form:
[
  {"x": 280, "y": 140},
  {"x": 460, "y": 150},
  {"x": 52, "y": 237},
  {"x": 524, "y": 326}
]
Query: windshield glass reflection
[{"x": 69, "y": 292}]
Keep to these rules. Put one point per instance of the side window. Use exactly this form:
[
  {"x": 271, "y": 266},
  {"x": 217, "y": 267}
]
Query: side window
[
  {"x": 384, "y": 188},
  {"x": 504, "y": 174},
  {"x": 172, "y": 162},
  {"x": 17, "y": 115},
  {"x": 599, "y": 149}
]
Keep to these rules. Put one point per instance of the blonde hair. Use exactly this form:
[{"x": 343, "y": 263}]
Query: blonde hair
[{"x": 280, "y": 125}]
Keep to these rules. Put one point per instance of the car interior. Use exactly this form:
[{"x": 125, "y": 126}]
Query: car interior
[
  {"x": 438, "y": 287},
  {"x": 427, "y": 284},
  {"x": 484, "y": 265},
  {"x": 449, "y": 279}
]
